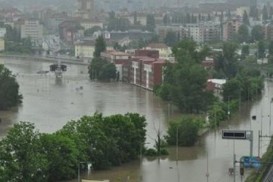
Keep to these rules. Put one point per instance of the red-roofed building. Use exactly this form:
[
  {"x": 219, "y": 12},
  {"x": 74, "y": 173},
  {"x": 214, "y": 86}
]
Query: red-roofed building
[
  {"x": 143, "y": 69},
  {"x": 146, "y": 72}
]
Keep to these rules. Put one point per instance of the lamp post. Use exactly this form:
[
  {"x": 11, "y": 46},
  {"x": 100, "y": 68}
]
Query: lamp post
[{"x": 228, "y": 108}]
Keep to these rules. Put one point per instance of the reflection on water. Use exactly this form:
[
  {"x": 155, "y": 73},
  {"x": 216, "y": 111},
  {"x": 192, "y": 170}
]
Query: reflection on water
[{"x": 50, "y": 103}]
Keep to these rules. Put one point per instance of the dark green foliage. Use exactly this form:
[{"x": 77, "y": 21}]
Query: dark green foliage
[
  {"x": 102, "y": 70},
  {"x": 150, "y": 23},
  {"x": 20, "y": 157},
  {"x": 265, "y": 13},
  {"x": 245, "y": 18},
  {"x": 270, "y": 48},
  {"x": 245, "y": 51},
  {"x": 217, "y": 113},
  {"x": 62, "y": 156},
  {"x": 257, "y": 33},
  {"x": 27, "y": 155},
  {"x": 107, "y": 138},
  {"x": 227, "y": 62},
  {"x": 100, "y": 46},
  {"x": 171, "y": 38},
  {"x": 185, "y": 81},
  {"x": 243, "y": 34},
  {"x": 261, "y": 49},
  {"x": 90, "y": 31},
  {"x": 244, "y": 86},
  {"x": 185, "y": 130},
  {"x": 9, "y": 89}
]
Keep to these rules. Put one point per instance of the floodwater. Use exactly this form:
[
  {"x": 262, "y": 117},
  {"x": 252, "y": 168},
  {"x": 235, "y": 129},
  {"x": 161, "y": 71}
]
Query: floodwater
[{"x": 50, "y": 103}]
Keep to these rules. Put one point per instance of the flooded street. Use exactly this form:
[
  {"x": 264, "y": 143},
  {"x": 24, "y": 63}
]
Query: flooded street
[{"x": 50, "y": 104}]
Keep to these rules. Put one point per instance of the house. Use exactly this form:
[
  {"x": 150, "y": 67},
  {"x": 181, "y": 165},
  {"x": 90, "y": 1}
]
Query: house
[
  {"x": 146, "y": 72},
  {"x": 216, "y": 85},
  {"x": 70, "y": 31},
  {"x": 208, "y": 63},
  {"x": 85, "y": 49},
  {"x": 87, "y": 24}
]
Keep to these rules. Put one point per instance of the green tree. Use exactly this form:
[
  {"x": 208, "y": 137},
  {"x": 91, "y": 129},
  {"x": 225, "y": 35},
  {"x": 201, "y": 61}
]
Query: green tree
[
  {"x": 101, "y": 69},
  {"x": 257, "y": 33},
  {"x": 184, "y": 82},
  {"x": 231, "y": 89},
  {"x": 20, "y": 157},
  {"x": 229, "y": 59},
  {"x": 184, "y": 131},
  {"x": 62, "y": 156},
  {"x": 106, "y": 140},
  {"x": 217, "y": 113},
  {"x": 150, "y": 23},
  {"x": 245, "y": 51},
  {"x": 270, "y": 48},
  {"x": 261, "y": 49},
  {"x": 108, "y": 72},
  {"x": 245, "y": 18},
  {"x": 100, "y": 46},
  {"x": 171, "y": 38},
  {"x": 243, "y": 33},
  {"x": 9, "y": 89},
  {"x": 90, "y": 31},
  {"x": 265, "y": 13}
]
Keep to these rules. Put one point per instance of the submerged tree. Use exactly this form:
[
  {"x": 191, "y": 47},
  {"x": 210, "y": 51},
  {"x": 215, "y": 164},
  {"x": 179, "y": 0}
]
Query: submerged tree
[{"x": 9, "y": 89}]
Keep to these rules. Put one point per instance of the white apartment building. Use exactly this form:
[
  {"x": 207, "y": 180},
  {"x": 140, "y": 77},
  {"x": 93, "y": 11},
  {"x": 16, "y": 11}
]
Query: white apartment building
[
  {"x": 204, "y": 32},
  {"x": 195, "y": 32},
  {"x": 32, "y": 29}
]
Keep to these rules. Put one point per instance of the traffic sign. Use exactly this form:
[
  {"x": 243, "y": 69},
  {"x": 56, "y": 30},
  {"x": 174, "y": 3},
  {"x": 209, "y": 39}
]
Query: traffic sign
[{"x": 234, "y": 134}]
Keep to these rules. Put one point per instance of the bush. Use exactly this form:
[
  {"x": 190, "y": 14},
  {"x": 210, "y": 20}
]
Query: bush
[{"x": 187, "y": 130}]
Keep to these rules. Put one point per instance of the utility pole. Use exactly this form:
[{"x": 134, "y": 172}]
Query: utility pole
[{"x": 234, "y": 168}]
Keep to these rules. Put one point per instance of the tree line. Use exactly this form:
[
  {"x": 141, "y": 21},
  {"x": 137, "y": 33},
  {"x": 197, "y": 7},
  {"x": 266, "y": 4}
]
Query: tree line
[{"x": 104, "y": 141}]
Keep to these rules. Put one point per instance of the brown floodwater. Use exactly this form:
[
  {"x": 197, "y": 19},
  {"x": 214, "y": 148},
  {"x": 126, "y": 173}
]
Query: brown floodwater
[{"x": 50, "y": 104}]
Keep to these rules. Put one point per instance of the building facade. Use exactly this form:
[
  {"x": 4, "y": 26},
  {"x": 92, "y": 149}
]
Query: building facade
[{"x": 32, "y": 29}]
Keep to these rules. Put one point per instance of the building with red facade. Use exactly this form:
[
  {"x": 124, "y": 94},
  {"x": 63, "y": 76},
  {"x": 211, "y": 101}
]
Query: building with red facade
[{"x": 143, "y": 69}]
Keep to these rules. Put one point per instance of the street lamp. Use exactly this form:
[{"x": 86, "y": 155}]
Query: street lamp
[{"x": 79, "y": 169}]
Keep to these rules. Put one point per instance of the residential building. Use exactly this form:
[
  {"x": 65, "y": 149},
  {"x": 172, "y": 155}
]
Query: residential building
[
  {"x": 86, "y": 9},
  {"x": 216, "y": 85},
  {"x": 195, "y": 32},
  {"x": 146, "y": 72},
  {"x": 87, "y": 24},
  {"x": 268, "y": 31},
  {"x": 85, "y": 49},
  {"x": 211, "y": 31},
  {"x": 231, "y": 27},
  {"x": 70, "y": 31},
  {"x": 33, "y": 29}
]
